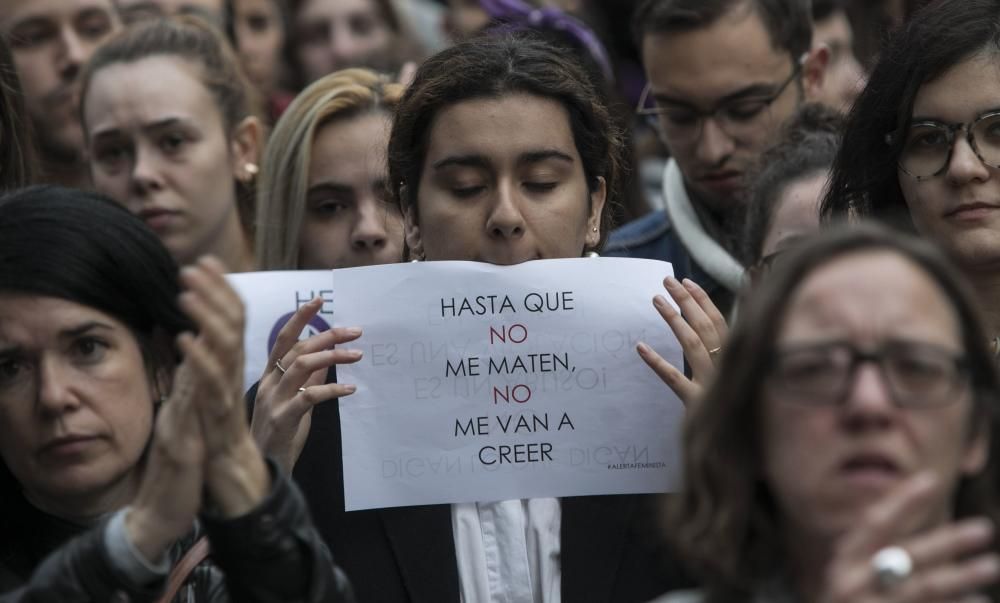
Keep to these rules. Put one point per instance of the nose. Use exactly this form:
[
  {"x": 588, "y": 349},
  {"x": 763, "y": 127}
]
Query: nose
[
  {"x": 505, "y": 220},
  {"x": 964, "y": 165},
  {"x": 146, "y": 178},
  {"x": 714, "y": 145},
  {"x": 869, "y": 402},
  {"x": 344, "y": 46},
  {"x": 74, "y": 53},
  {"x": 55, "y": 392},
  {"x": 369, "y": 232}
]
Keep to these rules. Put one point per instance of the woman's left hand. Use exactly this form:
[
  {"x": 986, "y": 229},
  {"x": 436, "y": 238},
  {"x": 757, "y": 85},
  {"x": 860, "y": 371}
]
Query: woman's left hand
[
  {"x": 236, "y": 476},
  {"x": 701, "y": 330}
]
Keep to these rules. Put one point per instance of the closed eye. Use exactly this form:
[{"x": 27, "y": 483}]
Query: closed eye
[{"x": 540, "y": 187}]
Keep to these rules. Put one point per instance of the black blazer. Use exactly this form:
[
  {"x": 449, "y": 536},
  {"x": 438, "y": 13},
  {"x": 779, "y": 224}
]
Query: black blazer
[{"x": 612, "y": 546}]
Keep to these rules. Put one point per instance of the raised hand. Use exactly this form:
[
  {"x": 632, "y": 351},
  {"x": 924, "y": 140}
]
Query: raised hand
[
  {"x": 700, "y": 329},
  {"x": 169, "y": 496},
  {"x": 236, "y": 477},
  {"x": 951, "y": 562},
  {"x": 294, "y": 381}
]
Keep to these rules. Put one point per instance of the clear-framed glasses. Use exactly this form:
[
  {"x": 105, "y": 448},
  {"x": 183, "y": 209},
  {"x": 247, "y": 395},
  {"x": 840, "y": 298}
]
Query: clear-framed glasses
[
  {"x": 737, "y": 117},
  {"x": 918, "y": 374},
  {"x": 928, "y": 145}
]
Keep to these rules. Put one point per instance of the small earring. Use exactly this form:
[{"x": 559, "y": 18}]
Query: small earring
[
  {"x": 595, "y": 229},
  {"x": 251, "y": 168}
]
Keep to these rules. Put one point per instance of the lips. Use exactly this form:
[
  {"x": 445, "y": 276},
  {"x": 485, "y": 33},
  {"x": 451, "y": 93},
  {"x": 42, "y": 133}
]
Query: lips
[
  {"x": 974, "y": 211},
  {"x": 68, "y": 445},
  {"x": 156, "y": 218},
  {"x": 727, "y": 180},
  {"x": 871, "y": 469}
]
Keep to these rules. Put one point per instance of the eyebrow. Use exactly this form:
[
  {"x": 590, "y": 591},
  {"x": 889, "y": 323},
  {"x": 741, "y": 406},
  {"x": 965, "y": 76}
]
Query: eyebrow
[
  {"x": 154, "y": 125},
  {"x": 333, "y": 187},
  {"x": 480, "y": 161},
  {"x": 70, "y": 333},
  {"x": 752, "y": 90},
  {"x": 918, "y": 118}
]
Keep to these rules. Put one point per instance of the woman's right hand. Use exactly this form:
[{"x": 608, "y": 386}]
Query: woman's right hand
[
  {"x": 950, "y": 563},
  {"x": 286, "y": 395},
  {"x": 701, "y": 330},
  {"x": 170, "y": 493}
]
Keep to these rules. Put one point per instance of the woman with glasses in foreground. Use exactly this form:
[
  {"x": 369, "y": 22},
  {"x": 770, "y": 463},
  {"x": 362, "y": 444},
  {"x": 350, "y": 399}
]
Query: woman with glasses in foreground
[
  {"x": 846, "y": 455},
  {"x": 922, "y": 145}
]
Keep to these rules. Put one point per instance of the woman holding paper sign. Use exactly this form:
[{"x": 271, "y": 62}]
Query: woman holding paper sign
[
  {"x": 848, "y": 454},
  {"x": 503, "y": 151},
  {"x": 120, "y": 427}
]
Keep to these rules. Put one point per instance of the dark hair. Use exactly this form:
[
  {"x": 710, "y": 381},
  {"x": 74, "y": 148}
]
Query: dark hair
[
  {"x": 865, "y": 180},
  {"x": 787, "y": 21},
  {"x": 724, "y": 520},
  {"x": 491, "y": 67},
  {"x": 82, "y": 247},
  {"x": 196, "y": 41},
  {"x": 17, "y": 154},
  {"x": 824, "y": 9},
  {"x": 808, "y": 145}
]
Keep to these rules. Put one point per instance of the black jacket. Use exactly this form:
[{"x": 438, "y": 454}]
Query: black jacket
[{"x": 273, "y": 554}]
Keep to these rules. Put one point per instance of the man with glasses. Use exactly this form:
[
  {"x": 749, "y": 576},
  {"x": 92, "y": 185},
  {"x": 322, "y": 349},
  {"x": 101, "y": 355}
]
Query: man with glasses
[{"x": 724, "y": 76}]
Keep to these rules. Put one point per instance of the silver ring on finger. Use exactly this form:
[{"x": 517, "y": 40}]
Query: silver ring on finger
[
  {"x": 302, "y": 390},
  {"x": 277, "y": 365},
  {"x": 891, "y": 566}
]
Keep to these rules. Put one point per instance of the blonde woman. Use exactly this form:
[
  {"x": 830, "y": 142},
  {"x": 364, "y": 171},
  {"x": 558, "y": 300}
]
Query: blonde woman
[{"x": 321, "y": 197}]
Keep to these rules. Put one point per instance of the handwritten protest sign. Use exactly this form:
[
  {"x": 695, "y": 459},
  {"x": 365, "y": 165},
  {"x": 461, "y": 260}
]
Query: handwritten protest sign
[
  {"x": 270, "y": 299},
  {"x": 483, "y": 382}
]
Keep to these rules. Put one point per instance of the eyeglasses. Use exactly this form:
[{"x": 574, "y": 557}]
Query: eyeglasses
[
  {"x": 737, "y": 118},
  {"x": 928, "y": 146},
  {"x": 918, "y": 374}
]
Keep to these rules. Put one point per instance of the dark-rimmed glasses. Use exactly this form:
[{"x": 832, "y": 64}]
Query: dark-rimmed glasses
[
  {"x": 929, "y": 145},
  {"x": 917, "y": 374},
  {"x": 737, "y": 117}
]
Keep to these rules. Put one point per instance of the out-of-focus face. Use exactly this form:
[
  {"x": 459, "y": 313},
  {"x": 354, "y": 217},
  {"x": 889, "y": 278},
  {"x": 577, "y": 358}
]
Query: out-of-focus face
[
  {"x": 960, "y": 208},
  {"x": 347, "y": 220},
  {"x": 731, "y": 62},
  {"x": 465, "y": 18},
  {"x": 260, "y": 35},
  {"x": 51, "y": 40},
  {"x": 845, "y": 77},
  {"x": 76, "y": 404},
  {"x": 503, "y": 183},
  {"x": 137, "y": 10},
  {"x": 796, "y": 214},
  {"x": 826, "y": 462},
  {"x": 158, "y": 145},
  {"x": 336, "y": 34}
]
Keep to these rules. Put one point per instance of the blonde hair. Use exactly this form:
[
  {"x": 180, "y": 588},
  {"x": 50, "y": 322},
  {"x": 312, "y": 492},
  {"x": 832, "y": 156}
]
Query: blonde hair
[{"x": 284, "y": 178}]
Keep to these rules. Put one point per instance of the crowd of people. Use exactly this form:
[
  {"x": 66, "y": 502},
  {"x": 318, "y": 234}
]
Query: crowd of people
[{"x": 822, "y": 176}]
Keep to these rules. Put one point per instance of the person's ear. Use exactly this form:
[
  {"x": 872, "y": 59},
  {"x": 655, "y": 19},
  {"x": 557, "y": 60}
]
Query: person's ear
[
  {"x": 597, "y": 199},
  {"x": 814, "y": 72},
  {"x": 245, "y": 148},
  {"x": 411, "y": 229},
  {"x": 977, "y": 451}
]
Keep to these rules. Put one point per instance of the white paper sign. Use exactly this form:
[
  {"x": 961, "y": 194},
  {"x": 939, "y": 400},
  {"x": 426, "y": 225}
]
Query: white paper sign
[
  {"x": 270, "y": 299},
  {"x": 483, "y": 383}
]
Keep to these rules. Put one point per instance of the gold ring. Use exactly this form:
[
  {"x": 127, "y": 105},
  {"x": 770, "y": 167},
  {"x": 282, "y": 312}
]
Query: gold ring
[
  {"x": 277, "y": 365},
  {"x": 714, "y": 351}
]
